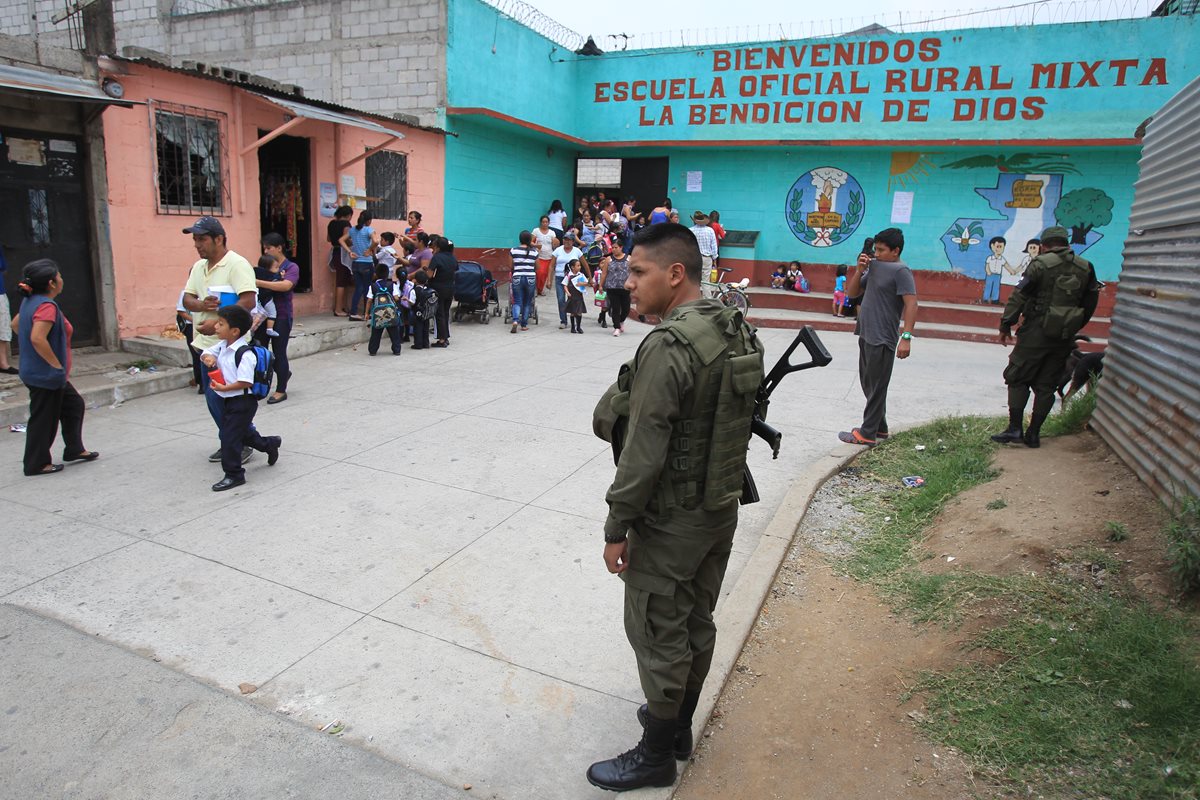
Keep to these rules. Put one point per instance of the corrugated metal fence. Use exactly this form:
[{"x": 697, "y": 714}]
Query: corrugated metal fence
[{"x": 1148, "y": 406}]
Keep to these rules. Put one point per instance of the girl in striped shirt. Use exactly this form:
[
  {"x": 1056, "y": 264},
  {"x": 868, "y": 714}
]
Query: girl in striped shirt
[{"x": 524, "y": 278}]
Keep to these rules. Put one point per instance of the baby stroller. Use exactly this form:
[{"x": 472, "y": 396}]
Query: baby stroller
[
  {"x": 533, "y": 313},
  {"x": 475, "y": 293}
]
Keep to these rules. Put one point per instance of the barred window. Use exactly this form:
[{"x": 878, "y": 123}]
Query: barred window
[
  {"x": 191, "y": 170},
  {"x": 387, "y": 185}
]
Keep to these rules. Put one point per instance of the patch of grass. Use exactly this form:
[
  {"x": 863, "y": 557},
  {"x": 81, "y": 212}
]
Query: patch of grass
[
  {"x": 1083, "y": 692},
  {"x": 1096, "y": 700},
  {"x": 1075, "y": 417},
  {"x": 1183, "y": 552},
  {"x": 957, "y": 456},
  {"x": 1117, "y": 532},
  {"x": 997, "y": 504},
  {"x": 142, "y": 363}
]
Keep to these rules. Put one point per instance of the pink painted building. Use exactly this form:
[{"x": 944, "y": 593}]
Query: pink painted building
[{"x": 256, "y": 155}]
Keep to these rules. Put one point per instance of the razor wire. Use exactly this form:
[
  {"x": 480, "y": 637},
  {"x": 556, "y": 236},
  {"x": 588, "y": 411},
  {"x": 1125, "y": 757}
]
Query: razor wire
[{"x": 1038, "y": 12}]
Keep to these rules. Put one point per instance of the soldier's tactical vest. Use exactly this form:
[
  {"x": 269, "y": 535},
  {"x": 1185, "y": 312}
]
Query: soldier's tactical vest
[
  {"x": 1059, "y": 301},
  {"x": 708, "y": 445}
]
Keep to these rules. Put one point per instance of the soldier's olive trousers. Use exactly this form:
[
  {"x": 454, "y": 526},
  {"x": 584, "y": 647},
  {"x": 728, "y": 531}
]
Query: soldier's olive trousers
[
  {"x": 671, "y": 588},
  {"x": 1039, "y": 368}
]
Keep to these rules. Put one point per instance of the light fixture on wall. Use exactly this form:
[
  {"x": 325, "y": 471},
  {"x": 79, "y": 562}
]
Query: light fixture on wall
[{"x": 113, "y": 88}]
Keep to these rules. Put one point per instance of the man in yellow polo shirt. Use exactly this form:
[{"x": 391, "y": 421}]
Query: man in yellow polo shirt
[{"x": 220, "y": 277}]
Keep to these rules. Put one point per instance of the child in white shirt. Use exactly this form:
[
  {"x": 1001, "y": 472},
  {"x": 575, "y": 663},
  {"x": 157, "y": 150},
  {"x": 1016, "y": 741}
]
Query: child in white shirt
[{"x": 238, "y": 404}]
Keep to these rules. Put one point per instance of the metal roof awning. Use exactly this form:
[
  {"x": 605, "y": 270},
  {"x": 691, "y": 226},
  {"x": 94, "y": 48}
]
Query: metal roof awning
[
  {"x": 64, "y": 87},
  {"x": 325, "y": 115}
]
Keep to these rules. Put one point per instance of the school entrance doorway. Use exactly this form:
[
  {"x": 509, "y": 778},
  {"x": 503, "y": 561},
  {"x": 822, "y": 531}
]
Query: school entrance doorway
[
  {"x": 284, "y": 207},
  {"x": 42, "y": 192},
  {"x": 646, "y": 179}
]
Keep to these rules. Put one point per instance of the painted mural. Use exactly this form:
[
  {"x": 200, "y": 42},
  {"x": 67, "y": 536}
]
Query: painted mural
[
  {"x": 825, "y": 207},
  {"x": 996, "y": 248}
]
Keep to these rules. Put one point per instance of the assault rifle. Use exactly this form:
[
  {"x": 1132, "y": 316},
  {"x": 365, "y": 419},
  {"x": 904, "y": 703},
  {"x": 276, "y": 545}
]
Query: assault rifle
[{"x": 818, "y": 357}]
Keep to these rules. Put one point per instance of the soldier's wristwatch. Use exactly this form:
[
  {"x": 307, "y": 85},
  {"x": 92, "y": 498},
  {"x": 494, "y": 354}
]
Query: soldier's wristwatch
[{"x": 614, "y": 538}]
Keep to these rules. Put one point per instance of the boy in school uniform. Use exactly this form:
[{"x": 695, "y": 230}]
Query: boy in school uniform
[
  {"x": 382, "y": 287},
  {"x": 239, "y": 406},
  {"x": 419, "y": 301}
]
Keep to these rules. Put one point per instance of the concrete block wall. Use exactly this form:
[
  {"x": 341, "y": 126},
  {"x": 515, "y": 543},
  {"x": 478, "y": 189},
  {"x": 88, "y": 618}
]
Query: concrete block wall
[{"x": 366, "y": 54}]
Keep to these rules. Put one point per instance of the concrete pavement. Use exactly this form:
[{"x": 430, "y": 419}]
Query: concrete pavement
[{"x": 423, "y": 564}]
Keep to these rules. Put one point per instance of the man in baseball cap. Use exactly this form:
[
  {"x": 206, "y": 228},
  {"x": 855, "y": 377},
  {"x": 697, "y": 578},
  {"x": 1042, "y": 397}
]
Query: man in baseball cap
[
  {"x": 206, "y": 226},
  {"x": 220, "y": 277}
]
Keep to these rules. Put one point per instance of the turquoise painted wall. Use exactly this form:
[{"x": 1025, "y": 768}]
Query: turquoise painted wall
[
  {"x": 970, "y": 179},
  {"x": 496, "y": 63},
  {"x": 1096, "y": 80},
  {"x": 754, "y": 189},
  {"x": 499, "y": 181}
]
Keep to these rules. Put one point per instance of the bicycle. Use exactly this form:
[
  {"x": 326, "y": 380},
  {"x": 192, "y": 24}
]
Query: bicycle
[{"x": 730, "y": 294}]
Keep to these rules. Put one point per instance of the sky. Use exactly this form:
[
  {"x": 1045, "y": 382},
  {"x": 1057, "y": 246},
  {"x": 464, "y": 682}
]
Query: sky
[{"x": 706, "y": 21}]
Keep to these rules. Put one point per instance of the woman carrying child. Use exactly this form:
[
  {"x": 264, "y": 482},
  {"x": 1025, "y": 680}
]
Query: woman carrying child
[
  {"x": 575, "y": 282},
  {"x": 286, "y": 274}
]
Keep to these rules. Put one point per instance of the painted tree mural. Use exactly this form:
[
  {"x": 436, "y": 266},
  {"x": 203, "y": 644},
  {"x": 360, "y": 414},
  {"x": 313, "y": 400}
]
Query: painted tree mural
[{"x": 1082, "y": 210}]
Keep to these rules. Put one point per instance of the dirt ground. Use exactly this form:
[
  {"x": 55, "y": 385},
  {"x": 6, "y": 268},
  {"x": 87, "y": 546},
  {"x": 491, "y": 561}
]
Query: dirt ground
[{"x": 813, "y": 707}]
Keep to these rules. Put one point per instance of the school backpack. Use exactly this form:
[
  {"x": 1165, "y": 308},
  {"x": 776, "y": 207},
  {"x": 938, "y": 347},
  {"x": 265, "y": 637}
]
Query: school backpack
[
  {"x": 802, "y": 285},
  {"x": 264, "y": 369},
  {"x": 427, "y": 302},
  {"x": 384, "y": 313}
]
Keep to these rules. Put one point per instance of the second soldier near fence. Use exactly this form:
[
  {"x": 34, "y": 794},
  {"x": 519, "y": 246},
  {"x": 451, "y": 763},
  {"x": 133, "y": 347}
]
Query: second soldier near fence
[
  {"x": 679, "y": 419},
  {"x": 1053, "y": 302}
]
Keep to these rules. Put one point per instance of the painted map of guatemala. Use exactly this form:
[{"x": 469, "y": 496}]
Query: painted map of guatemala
[{"x": 1026, "y": 204}]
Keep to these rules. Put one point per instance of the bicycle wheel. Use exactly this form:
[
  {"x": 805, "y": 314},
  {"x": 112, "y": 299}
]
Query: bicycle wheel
[{"x": 737, "y": 299}]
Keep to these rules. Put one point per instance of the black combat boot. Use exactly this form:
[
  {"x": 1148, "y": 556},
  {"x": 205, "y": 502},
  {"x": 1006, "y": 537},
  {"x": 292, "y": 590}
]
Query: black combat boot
[
  {"x": 1043, "y": 404},
  {"x": 1032, "y": 438},
  {"x": 649, "y": 764},
  {"x": 1014, "y": 432},
  {"x": 683, "y": 725}
]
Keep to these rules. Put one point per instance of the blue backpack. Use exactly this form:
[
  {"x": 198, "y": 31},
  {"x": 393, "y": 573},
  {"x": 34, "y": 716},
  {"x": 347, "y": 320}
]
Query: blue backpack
[{"x": 264, "y": 369}]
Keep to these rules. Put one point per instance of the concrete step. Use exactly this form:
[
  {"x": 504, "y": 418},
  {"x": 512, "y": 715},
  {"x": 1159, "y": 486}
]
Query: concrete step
[
  {"x": 788, "y": 318},
  {"x": 101, "y": 377},
  {"x": 960, "y": 319},
  {"x": 309, "y": 335}
]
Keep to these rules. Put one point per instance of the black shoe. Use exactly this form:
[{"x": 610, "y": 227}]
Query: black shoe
[
  {"x": 649, "y": 764},
  {"x": 227, "y": 483},
  {"x": 683, "y": 733},
  {"x": 1010, "y": 436},
  {"x": 1032, "y": 438},
  {"x": 603, "y": 324},
  {"x": 215, "y": 457},
  {"x": 246, "y": 454},
  {"x": 274, "y": 443}
]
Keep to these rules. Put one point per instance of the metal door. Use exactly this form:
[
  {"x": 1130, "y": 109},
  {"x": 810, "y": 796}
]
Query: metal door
[{"x": 45, "y": 216}]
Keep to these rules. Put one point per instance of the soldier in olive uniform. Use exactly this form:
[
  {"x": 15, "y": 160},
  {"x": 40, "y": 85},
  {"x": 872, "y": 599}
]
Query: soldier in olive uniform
[
  {"x": 679, "y": 419},
  {"x": 1054, "y": 300}
]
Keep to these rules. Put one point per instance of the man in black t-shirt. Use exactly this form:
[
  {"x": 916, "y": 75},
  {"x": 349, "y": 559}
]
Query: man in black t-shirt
[{"x": 343, "y": 279}]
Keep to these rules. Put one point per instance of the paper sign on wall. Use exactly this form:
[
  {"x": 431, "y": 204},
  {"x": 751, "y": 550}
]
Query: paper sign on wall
[
  {"x": 695, "y": 180},
  {"x": 26, "y": 151},
  {"x": 328, "y": 195},
  {"x": 902, "y": 208},
  {"x": 348, "y": 184}
]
